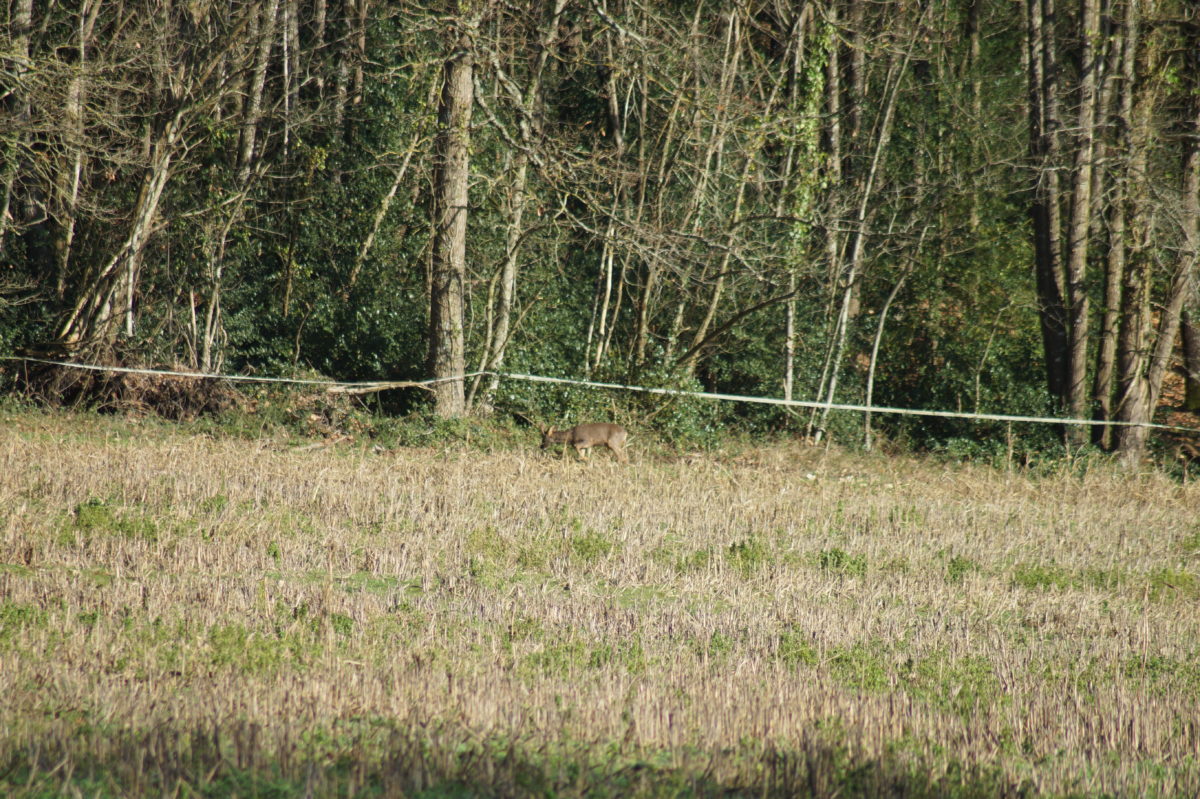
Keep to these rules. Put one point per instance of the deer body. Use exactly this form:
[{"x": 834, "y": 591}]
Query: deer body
[
  {"x": 1188, "y": 454},
  {"x": 585, "y": 436}
]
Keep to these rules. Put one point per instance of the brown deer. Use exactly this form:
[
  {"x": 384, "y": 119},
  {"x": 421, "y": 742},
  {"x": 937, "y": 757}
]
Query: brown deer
[
  {"x": 585, "y": 436},
  {"x": 1188, "y": 454}
]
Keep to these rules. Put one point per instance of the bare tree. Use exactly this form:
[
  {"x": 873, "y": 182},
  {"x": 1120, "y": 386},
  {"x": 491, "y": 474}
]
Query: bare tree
[
  {"x": 451, "y": 172},
  {"x": 1146, "y": 346},
  {"x": 850, "y": 269},
  {"x": 527, "y": 102}
]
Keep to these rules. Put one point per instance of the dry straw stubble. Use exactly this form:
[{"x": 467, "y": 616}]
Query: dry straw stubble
[{"x": 728, "y": 611}]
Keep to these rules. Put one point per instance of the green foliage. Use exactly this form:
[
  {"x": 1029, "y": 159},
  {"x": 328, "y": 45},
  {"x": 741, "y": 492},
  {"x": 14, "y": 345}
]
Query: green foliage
[
  {"x": 839, "y": 562},
  {"x": 627, "y": 655},
  {"x": 341, "y": 623},
  {"x": 860, "y": 666},
  {"x": 1160, "y": 584},
  {"x": 959, "y": 685},
  {"x": 96, "y": 517},
  {"x": 1191, "y": 544},
  {"x": 590, "y": 546},
  {"x": 16, "y": 617},
  {"x": 796, "y": 648},
  {"x": 1166, "y": 673},
  {"x": 716, "y": 647},
  {"x": 696, "y": 561},
  {"x": 748, "y": 556},
  {"x": 958, "y": 567},
  {"x": 254, "y": 653},
  {"x": 1041, "y": 576},
  {"x": 1167, "y": 582},
  {"x": 426, "y": 429}
]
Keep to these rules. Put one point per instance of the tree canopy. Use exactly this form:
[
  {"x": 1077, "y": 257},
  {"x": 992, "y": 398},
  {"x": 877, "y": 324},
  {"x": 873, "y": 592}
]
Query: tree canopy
[{"x": 944, "y": 204}]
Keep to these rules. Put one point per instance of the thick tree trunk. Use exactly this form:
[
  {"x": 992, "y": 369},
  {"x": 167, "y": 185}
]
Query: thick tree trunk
[
  {"x": 1124, "y": 47},
  {"x": 1191, "y": 360},
  {"x": 1080, "y": 221},
  {"x": 449, "y": 265},
  {"x": 1044, "y": 210},
  {"x": 1144, "y": 367}
]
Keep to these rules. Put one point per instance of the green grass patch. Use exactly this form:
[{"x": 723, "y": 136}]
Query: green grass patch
[
  {"x": 837, "y": 561},
  {"x": 249, "y": 652},
  {"x": 1166, "y": 672},
  {"x": 960, "y": 686},
  {"x": 795, "y": 648},
  {"x": 15, "y": 569},
  {"x": 1168, "y": 583},
  {"x": 863, "y": 666},
  {"x": 958, "y": 567},
  {"x": 16, "y": 617},
  {"x": 381, "y": 585},
  {"x": 590, "y": 546},
  {"x": 96, "y": 518},
  {"x": 1042, "y": 577},
  {"x": 699, "y": 560},
  {"x": 1190, "y": 544},
  {"x": 748, "y": 557}
]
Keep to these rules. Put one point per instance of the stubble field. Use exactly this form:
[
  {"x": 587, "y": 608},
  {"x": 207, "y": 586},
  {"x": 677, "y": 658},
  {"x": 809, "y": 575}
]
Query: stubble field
[{"x": 185, "y": 614}]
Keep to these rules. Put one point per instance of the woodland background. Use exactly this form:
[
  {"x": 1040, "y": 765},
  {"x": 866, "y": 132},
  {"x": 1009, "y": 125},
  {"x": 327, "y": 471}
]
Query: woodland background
[{"x": 949, "y": 204}]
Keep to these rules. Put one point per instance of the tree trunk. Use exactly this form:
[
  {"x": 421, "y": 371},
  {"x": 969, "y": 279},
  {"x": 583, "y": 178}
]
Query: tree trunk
[
  {"x": 22, "y": 20},
  {"x": 976, "y": 80},
  {"x": 254, "y": 102},
  {"x": 1191, "y": 360},
  {"x": 856, "y": 75},
  {"x": 852, "y": 272},
  {"x": 1145, "y": 367},
  {"x": 70, "y": 177},
  {"x": 343, "y": 33},
  {"x": 449, "y": 254},
  {"x": 1124, "y": 44},
  {"x": 360, "y": 50},
  {"x": 91, "y": 317},
  {"x": 1080, "y": 221},
  {"x": 1044, "y": 210},
  {"x": 883, "y": 315}
]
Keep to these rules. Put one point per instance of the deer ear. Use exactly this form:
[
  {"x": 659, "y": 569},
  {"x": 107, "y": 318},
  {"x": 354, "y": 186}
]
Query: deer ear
[{"x": 549, "y": 429}]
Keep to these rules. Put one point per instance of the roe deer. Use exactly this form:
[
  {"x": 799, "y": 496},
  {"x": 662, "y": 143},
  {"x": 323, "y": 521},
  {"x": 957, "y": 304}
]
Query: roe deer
[
  {"x": 1188, "y": 454},
  {"x": 585, "y": 436}
]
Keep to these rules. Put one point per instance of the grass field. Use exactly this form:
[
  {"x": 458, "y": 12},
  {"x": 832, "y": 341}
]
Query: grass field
[{"x": 189, "y": 614}]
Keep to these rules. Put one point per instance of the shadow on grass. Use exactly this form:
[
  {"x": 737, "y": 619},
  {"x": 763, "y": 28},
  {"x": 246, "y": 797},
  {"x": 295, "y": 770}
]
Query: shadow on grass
[{"x": 378, "y": 758}]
